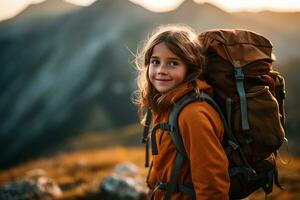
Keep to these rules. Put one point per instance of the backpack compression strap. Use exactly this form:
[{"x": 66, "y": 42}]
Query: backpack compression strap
[
  {"x": 239, "y": 77},
  {"x": 145, "y": 138}
]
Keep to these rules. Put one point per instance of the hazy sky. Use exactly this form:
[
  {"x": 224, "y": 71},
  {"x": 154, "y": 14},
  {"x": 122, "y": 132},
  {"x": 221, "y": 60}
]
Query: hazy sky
[{"x": 9, "y": 8}]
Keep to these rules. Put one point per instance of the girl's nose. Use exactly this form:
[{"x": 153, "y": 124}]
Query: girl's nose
[{"x": 161, "y": 69}]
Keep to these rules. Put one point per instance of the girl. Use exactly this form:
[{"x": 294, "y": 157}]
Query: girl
[{"x": 170, "y": 66}]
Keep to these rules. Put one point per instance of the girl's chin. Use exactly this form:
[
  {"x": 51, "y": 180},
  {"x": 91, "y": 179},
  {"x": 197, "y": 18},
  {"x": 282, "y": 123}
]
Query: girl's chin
[{"x": 164, "y": 90}]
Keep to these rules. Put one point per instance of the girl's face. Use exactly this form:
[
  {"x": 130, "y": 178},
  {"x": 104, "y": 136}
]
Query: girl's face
[{"x": 166, "y": 70}]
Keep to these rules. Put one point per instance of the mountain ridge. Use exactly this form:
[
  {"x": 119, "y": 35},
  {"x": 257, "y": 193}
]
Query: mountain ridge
[{"x": 71, "y": 73}]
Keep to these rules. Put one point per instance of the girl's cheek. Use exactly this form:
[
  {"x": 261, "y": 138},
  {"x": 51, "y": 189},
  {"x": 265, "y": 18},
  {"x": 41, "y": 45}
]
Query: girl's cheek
[{"x": 150, "y": 73}]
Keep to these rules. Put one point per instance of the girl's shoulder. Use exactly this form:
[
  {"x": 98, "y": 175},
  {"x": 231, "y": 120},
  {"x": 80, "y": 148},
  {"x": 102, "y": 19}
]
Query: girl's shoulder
[
  {"x": 198, "y": 107},
  {"x": 200, "y": 114},
  {"x": 200, "y": 110}
]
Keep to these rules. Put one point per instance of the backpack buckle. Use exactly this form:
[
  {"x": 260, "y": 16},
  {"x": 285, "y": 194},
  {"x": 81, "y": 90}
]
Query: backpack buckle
[
  {"x": 238, "y": 73},
  {"x": 167, "y": 127},
  {"x": 233, "y": 145}
]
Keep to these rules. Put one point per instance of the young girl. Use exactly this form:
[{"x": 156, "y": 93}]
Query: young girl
[{"x": 170, "y": 66}]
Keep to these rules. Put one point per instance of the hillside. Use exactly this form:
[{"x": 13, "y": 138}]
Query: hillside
[
  {"x": 72, "y": 73},
  {"x": 84, "y": 161}
]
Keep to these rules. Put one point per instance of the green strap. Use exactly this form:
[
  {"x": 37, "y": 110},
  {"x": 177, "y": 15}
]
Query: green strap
[
  {"x": 183, "y": 188},
  {"x": 162, "y": 126},
  {"x": 147, "y": 126},
  {"x": 173, "y": 119},
  {"x": 247, "y": 172},
  {"x": 145, "y": 138},
  {"x": 228, "y": 112},
  {"x": 175, "y": 173},
  {"x": 239, "y": 77},
  {"x": 147, "y": 153}
]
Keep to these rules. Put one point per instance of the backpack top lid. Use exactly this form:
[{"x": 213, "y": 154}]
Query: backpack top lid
[{"x": 237, "y": 45}]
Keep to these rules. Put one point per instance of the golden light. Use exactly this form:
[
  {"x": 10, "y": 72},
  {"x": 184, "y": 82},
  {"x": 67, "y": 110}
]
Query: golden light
[
  {"x": 158, "y": 5},
  {"x": 255, "y": 5},
  {"x": 10, "y": 8},
  {"x": 81, "y": 2}
]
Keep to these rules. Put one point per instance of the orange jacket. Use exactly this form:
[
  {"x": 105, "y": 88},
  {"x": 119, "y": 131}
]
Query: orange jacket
[{"x": 202, "y": 131}]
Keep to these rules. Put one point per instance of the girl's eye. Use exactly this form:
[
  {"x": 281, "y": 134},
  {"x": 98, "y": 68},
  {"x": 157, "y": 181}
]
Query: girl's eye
[
  {"x": 174, "y": 63},
  {"x": 154, "y": 62}
]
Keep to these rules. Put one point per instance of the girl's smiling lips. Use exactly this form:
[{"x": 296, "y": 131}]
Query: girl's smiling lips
[{"x": 162, "y": 79}]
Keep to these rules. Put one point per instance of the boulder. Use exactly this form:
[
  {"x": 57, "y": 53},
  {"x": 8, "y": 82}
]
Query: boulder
[
  {"x": 43, "y": 188},
  {"x": 124, "y": 184}
]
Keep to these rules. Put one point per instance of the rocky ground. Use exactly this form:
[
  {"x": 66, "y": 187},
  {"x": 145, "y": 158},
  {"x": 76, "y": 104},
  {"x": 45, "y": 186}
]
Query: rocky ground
[{"x": 78, "y": 171}]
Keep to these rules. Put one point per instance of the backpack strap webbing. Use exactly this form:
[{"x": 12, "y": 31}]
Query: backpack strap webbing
[
  {"x": 173, "y": 119},
  {"x": 172, "y": 185},
  {"x": 162, "y": 126},
  {"x": 239, "y": 77},
  {"x": 187, "y": 189},
  {"x": 145, "y": 138}
]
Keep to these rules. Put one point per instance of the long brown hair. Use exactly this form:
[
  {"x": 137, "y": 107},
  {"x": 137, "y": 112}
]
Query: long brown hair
[{"x": 182, "y": 41}]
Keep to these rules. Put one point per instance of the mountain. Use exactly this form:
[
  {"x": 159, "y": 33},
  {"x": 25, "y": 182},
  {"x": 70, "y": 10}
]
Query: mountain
[
  {"x": 35, "y": 14},
  {"x": 45, "y": 9},
  {"x": 69, "y": 73}
]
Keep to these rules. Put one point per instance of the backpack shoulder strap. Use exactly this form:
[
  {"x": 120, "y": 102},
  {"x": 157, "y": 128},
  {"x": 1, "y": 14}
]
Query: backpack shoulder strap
[
  {"x": 173, "y": 121},
  {"x": 145, "y": 138},
  {"x": 172, "y": 185}
]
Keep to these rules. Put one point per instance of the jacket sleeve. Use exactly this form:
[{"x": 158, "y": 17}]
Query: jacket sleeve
[{"x": 202, "y": 131}]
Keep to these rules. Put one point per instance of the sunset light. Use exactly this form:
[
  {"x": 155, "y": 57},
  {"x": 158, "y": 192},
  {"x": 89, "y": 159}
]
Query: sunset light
[
  {"x": 159, "y": 5},
  {"x": 81, "y": 2},
  {"x": 255, "y": 5},
  {"x": 10, "y": 8}
]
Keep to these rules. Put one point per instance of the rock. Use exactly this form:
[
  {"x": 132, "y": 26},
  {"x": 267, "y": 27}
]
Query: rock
[
  {"x": 21, "y": 190},
  {"x": 43, "y": 188},
  {"x": 118, "y": 187},
  {"x": 48, "y": 186},
  {"x": 45, "y": 184},
  {"x": 126, "y": 169}
]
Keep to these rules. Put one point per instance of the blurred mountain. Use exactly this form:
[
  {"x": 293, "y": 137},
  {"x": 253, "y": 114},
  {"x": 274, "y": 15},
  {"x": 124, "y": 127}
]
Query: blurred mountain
[
  {"x": 46, "y": 8},
  {"x": 72, "y": 73},
  {"x": 43, "y": 10}
]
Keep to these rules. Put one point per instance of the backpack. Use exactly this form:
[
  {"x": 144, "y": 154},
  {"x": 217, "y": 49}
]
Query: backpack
[{"x": 249, "y": 97}]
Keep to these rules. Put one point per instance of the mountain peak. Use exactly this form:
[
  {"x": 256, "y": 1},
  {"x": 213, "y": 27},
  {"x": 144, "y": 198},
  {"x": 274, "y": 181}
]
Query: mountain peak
[
  {"x": 45, "y": 8},
  {"x": 190, "y": 6}
]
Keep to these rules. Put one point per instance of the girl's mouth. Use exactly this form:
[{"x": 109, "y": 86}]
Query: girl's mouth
[{"x": 163, "y": 79}]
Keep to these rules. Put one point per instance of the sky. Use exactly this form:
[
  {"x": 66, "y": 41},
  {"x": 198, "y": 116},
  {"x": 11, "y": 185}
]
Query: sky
[{"x": 9, "y": 8}]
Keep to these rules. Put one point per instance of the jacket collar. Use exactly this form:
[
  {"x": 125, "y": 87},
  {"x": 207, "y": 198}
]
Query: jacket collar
[{"x": 169, "y": 99}]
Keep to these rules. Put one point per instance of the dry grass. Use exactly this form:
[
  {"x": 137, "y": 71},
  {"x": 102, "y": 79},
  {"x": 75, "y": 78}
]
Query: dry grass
[
  {"x": 289, "y": 178},
  {"x": 85, "y": 160},
  {"x": 78, "y": 173}
]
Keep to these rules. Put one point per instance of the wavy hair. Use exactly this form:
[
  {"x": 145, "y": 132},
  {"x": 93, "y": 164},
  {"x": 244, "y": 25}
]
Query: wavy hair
[{"x": 182, "y": 41}]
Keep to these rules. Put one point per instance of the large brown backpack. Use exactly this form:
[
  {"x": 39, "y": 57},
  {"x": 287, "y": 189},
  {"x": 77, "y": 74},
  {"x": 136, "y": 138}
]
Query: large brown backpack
[
  {"x": 251, "y": 94},
  {"x": 248, "y": 96}
]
